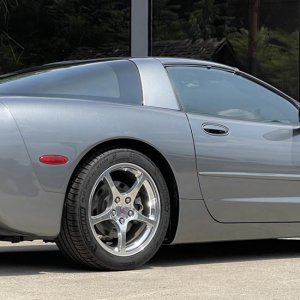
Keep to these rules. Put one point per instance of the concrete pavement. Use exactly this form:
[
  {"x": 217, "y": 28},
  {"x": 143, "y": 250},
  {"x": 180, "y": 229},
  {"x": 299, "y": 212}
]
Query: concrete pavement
[{"x": 233, "y": 270}]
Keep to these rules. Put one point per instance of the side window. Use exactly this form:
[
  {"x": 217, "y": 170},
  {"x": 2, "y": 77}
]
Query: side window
[
  {"x": 105, "y": 81},
  {"x": 224, "y": 94}
]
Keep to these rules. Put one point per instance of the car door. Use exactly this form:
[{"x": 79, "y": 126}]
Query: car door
[{"x": 247, "y": 144}]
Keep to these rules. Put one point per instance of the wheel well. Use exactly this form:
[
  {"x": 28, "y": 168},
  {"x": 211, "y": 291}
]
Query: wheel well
[{"x": 160, "y": 162}]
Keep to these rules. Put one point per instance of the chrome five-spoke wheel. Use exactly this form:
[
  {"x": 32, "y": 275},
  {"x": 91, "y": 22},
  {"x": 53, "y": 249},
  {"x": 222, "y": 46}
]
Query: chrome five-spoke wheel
[
  {"x": 124, "y": 208},
  {"x": 116, "y": 212}
]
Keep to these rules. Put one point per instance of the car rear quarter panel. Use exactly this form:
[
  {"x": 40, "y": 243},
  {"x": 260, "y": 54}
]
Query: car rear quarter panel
[
  {"x": 74, "y": 127},
  {"x": 24, "y": 206}
]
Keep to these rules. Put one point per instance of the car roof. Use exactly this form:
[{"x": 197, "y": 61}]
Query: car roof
[
  {"x": 163, "y": 60},
  {"x": 60, "y": 64},
  {"x": 188, "y": 61}
]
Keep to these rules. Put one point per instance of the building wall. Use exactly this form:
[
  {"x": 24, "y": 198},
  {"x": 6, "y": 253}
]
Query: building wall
[
  {"x": 262, "y": 36},
  {"x": 34, "y": 32}
]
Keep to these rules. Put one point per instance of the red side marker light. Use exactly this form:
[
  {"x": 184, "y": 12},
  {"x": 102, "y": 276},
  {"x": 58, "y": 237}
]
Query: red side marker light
[{"x": 53, "y": 159}]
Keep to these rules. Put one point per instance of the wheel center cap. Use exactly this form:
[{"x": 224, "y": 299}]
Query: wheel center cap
[{"x": 121, "y": 211}]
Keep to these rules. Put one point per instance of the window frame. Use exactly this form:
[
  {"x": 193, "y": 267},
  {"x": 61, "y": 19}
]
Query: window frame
[
  {"x": 235, "y": 71},
  {"x": 28, "y": 72}
]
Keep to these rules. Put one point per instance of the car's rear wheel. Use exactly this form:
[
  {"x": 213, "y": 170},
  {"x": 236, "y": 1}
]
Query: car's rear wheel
[{"x": 116, "y": 212}]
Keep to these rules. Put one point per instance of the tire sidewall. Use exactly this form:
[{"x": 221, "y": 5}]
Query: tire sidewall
[{"x": 98, "y": 166}]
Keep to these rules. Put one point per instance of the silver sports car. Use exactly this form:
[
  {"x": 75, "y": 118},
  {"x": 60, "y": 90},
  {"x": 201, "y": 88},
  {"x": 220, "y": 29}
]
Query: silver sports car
[{"x": 112, "y": 158}]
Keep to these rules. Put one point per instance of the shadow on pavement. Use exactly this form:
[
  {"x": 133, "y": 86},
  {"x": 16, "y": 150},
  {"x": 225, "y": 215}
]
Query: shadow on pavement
[
  {"x": 29, "y": 260},
  {"x": 224, "y": 252},
  {"x": 38, "y": 259}
]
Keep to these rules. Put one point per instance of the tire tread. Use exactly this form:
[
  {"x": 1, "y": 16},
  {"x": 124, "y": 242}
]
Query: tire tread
[{"x": 70, "y": 240}]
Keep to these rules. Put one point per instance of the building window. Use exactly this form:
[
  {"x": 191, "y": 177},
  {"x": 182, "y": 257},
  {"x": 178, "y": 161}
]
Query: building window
[
  {"x": 260, "y": 37},
  {"x": 36, "y": 32}
]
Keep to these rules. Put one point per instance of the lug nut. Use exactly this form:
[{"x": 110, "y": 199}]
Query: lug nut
[
  {"x": 127, "y": 200},
  {"x": 117, "y": 200},
  {"x": 113, "y": 212},
  {"x": 121, "y": 220},
  {"x": 130, "y": 213}
]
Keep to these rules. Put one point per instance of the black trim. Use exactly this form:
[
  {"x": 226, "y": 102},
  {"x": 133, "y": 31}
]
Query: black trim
[
  {"x": 238, "y": 73},
  {"x": 130, "y": 27},
  {"x": 150, "y": 18}
]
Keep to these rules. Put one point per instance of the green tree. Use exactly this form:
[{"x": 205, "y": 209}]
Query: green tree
[
  {"x": 277, "y": 57},
  {"x": 167, "y": 23},
  {"x": 208, "y": 20},
  {"x": 39, "y": 31}
]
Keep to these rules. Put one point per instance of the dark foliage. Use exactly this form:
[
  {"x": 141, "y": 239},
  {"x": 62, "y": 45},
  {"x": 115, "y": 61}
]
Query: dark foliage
[
  {"x": 41, "y": 31},
  {"x": 34, "y": 32}
]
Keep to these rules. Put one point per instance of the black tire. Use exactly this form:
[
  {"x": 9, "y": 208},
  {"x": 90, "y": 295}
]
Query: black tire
[{"x": 79, "y": 239}]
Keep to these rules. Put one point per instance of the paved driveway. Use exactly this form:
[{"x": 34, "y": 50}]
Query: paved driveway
[{"x": 235, "y": 270}]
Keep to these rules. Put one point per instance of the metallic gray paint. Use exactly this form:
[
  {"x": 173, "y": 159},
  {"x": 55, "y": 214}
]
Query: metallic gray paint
[
  {"x": 240, "y": 179},
  {"x": 250, "y": 147},
  {"x": 59, "y": 126},
  {"x": 25, "y": 207},
  {"x": 197, "y": 225},
  {"x": 252, "y": 175},
  {"x": 156, "y": 86},
  {"x": 69, "y": 133}
]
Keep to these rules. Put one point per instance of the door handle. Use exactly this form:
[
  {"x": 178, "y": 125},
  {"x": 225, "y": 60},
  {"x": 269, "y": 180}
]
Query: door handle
[
  {"x": 296, "y": 130},
  {"x": 215, "y": 129}
]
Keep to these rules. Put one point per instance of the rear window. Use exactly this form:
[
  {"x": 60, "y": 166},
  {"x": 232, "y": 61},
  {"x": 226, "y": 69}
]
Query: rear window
[{"x": 115, "y": 81}]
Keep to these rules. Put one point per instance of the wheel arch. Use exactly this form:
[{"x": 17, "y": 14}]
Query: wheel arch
[{"x": 160, "y": 161}]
